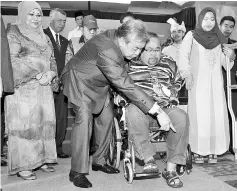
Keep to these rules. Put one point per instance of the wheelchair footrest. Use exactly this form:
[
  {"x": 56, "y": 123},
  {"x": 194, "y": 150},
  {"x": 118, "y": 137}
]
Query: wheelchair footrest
[{"x": 140, "y": 176}]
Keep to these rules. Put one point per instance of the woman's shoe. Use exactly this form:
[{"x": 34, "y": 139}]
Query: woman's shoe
[
  {"x": 198, "y": 159},
  {"x": 46, "y": 168},
  {"x": 212, "y": 159},
  {"x": 30, "y": 176}
]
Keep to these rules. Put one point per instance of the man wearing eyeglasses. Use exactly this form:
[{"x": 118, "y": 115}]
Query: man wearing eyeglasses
[
  {"x": 87, "y": 79},
  {"x": 157, "y": 75}
]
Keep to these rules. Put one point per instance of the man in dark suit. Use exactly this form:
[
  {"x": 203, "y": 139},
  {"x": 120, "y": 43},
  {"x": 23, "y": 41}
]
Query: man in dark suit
[
  {"x": 6, "y": 79},
  {"x": 57, "y": 23},
  {"x": 87, "y": 77},
  {"x": 227, "y": 25}
]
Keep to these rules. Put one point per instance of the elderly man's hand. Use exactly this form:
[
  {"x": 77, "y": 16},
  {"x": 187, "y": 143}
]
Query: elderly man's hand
[
  {"x": 165, "y": 122},
  {"x": 229, "y": 52}
]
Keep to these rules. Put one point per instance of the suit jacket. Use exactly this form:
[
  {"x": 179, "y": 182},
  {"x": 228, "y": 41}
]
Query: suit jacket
[
  {"x": 6, "y": 66},
  {"x": 234, "y": 68},
  {"x": 59, "y": 55},
  {"x": 98, "y": 65}
]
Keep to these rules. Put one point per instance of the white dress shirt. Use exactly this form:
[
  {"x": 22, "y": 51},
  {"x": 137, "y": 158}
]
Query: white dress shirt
[{"x": 54, "y": 35}]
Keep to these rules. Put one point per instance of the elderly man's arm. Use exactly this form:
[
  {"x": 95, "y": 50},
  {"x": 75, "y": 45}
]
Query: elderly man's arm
[{"x": 113, "y": 68}]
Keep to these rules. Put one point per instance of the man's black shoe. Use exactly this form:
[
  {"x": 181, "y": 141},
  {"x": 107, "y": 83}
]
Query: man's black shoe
[
  {"x": 63, "y": 155},
  {"x": 79, "y": 180},
  {"x": 106, "y": 168},
  {"x": 3, "y": 163}
]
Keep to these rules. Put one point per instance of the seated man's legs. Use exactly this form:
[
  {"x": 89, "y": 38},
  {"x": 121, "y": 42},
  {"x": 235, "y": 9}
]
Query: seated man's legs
[
  {"x": 177, "y": 142},
  {"x": 138, "y": 130},
  {"x": 176, "y": 145},
  {"x": 138, "y": 125}
]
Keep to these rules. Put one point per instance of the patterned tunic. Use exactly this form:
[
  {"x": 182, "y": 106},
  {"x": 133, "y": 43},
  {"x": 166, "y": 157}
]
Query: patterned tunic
[{"x": 162, "y": 81}]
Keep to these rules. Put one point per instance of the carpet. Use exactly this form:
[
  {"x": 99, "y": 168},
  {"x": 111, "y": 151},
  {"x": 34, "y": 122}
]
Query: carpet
[
  {"x": 224, "y": 167},
  {"x": 232, "y": 183}
]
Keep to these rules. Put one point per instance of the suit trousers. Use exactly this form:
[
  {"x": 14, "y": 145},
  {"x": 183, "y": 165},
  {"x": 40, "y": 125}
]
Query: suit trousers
[
  {"x": 85, "y": 122},
  {"x": 140, "y": 123},
  {"x": 61, "y": 112}
]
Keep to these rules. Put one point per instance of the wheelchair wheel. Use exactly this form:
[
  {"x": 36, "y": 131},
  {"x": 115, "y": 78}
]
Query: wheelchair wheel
[
  {"x": 115, "y": 145},
  {"x": 128, "y": 172},
  {"x": 181, "y": 169},
  {"x": 132, "y": 154}
]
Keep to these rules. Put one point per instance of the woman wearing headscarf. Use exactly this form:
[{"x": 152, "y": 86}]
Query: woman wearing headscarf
[
  {"x": 200, "y": 64},
  {"x": 30, "y": 115}
]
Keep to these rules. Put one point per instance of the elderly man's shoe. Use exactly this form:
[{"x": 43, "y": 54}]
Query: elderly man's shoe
[
  {"x": 79, "y": 180},
  {"x": 106, "y": 168},
  {"x": 63, "y": 155}
]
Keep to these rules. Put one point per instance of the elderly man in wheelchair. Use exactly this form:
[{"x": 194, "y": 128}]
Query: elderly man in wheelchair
[{"x": 158, "y": 76}]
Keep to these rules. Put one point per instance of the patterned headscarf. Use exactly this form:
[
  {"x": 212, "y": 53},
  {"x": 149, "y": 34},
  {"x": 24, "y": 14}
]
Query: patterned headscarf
[
  {"x": 35, "y": 34},
  {"x": 208, "y": 39}
]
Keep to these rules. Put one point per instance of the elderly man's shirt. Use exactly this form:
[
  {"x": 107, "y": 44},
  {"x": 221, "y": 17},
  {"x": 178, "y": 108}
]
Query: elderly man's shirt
[
  {"x": 77, "y": 32},
  {"x": 161, "y": 81}
]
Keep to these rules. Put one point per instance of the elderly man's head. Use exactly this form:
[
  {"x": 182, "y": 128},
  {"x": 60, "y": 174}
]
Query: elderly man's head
[
  {"x": 89, "y": 26},
  {"x": 57, "y": 19},
  {"x": 152, "y": 51},
  {"x": 132, "y": 37}
]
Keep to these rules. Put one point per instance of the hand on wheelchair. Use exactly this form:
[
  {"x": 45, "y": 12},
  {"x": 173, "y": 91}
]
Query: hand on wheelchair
[{"x": 165, "y": 122}]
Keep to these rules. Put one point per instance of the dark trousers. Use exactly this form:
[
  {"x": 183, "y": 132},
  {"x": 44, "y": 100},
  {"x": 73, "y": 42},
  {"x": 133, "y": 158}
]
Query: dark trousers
[
  {"x": 85, "y": 123},
  {"x": 234, "y": 98},
  {"x": 61, "y": 111},
  {"x": 2, "y": 124}
]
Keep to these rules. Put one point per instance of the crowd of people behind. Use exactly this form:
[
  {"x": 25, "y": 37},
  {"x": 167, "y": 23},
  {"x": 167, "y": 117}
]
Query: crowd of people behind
[{"x": 42, "y": 71}]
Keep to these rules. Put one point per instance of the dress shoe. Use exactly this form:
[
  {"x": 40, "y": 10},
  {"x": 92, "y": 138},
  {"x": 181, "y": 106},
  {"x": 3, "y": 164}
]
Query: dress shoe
[
  {"x": 106, "y": 168},
  {"x": 79, "y": 180},
  {"x": 63, "y": 155},
  {"x": 3, "y": 163}
]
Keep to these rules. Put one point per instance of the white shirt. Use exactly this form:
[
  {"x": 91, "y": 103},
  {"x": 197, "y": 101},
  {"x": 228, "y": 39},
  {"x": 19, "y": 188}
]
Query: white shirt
[
  {"x": 54, "y": 35},
  {"x": 77, "y": 32},
  {"x": 172, "y": 51}
]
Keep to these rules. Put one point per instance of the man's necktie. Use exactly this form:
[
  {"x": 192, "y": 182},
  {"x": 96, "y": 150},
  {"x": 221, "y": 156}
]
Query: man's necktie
[{"x": 57, "y": 42}]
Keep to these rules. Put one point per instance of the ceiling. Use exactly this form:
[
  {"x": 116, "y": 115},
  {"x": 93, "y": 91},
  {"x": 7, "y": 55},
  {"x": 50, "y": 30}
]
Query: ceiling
[
  {"x": 143, "y": 7},
  {"x": 138, "y": 7}
]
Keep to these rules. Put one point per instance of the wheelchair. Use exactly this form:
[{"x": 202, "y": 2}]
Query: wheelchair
[{"x": 121, "y": 148}]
